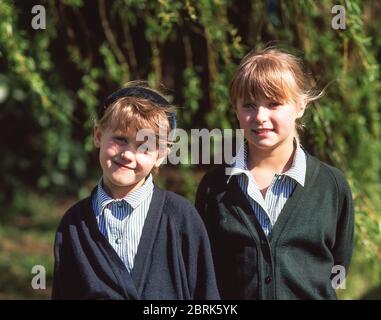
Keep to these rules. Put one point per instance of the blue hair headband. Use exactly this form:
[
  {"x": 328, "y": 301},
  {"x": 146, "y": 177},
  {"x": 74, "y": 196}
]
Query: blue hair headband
[{"x": 143, "y": 93}]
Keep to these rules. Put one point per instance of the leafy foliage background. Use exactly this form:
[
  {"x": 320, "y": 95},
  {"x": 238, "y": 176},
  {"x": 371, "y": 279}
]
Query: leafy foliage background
[{"x": 52, "y": 80}]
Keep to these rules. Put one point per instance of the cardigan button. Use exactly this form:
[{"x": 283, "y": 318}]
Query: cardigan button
[{"x": 268, "y": 279}]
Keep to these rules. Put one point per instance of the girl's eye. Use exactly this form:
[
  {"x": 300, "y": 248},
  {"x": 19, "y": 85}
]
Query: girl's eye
[
  {"x": 120, "y": 140},
  {"x": 249, "y": 105},
  {"x": 274, "y": 104},
  {"x": 146, "y": 148}
]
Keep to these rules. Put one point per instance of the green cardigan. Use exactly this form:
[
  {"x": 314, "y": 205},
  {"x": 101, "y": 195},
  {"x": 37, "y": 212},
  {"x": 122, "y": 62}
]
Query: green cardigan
[{"x": 313, "y": 233}]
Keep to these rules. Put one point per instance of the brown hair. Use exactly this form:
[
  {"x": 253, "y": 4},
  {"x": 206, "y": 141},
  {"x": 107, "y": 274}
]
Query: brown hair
[{"x": 275, "y": 74}]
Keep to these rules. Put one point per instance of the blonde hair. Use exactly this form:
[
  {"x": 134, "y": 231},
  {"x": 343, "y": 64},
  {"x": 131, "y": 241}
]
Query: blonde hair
[
  {"x": 137, "y": 113},
  {"x": 134, "y": 113},
  {"x": 274, "y": 74}
]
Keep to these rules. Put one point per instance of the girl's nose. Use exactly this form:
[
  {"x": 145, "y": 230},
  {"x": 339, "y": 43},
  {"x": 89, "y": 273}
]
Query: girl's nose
[
  {"x": 127, "y": 154},
  {"x": 261, "y": 114}
]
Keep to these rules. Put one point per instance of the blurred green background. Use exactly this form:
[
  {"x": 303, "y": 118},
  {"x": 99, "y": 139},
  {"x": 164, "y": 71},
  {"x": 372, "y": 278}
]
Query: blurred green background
[{"x": 52, "y": 80}]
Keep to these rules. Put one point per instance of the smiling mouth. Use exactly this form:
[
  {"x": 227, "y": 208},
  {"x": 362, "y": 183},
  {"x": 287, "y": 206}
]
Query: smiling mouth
[
  {"x": 123, "y": 166},
  {"x": 262, "y": 131}
]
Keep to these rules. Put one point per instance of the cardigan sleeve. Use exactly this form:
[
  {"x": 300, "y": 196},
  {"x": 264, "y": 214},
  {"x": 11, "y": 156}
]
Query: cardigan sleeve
[
  {"x": 206, "y": 285},
  {"x": 64, "y": 277},
  {"x": 198, "y": 260},
  {"x": 202, "y": 201},
  {"x": 343, "y": 247},
  {"x": 57, "y": 276},
  {"x": 201, "y": 196}
]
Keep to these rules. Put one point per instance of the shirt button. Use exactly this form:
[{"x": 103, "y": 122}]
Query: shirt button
[
  {"x": 268, "y": 279},
  {"x": 117, "y": 241}
]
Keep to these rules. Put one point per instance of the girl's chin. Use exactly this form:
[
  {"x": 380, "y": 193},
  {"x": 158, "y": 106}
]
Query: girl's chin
[
  {"x": 261, "y": 142},
  {"x": 122, "y": 188},
  {"x": 124, "y": 183}
]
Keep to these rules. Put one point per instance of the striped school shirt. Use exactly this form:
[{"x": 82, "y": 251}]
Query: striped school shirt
[
  {"x": 121, "y": 221},
  {"x": 268, "y": 209}
]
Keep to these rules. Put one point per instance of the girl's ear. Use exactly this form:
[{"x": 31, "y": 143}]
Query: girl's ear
[
  {"x": 97, "y": 135},
  {"x": 161, "y": 156},
  {"x": 301, "y": 108}
]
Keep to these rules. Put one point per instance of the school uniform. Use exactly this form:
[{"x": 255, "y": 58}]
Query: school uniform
[
  {"x": 158, "y": 248},
  {"x": 285, "y": 245}
]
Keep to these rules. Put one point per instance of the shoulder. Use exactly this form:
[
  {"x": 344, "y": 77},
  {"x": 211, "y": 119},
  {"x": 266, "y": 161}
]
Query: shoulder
[
  {"x": 180, "y": 212},
  {"x": 216, "y": 174},
  {"x": 176, "y": 203},
  {"x": 214, "y": 181},
  {"x": 336, "y": 174},
  {"x": 331, "y": 176},
  {"x": 75, "y": 213}
]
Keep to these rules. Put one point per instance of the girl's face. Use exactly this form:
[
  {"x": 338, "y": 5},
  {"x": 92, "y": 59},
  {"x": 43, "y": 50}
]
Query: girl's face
[
  {"x": 268, "y": 124},
  {"x": 124, "y": 161}
]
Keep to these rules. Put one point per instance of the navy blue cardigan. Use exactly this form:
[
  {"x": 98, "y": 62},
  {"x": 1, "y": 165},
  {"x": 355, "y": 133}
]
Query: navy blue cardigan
[{"x": 173, "y": 259}]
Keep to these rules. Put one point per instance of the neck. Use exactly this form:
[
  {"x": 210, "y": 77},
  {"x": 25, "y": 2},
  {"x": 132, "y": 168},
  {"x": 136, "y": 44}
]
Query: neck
[
  {"x": 277, "y": 160},
  {"x": 120, "y": 192}
]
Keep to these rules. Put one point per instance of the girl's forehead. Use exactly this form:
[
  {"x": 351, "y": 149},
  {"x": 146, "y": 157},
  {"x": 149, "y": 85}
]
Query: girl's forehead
[
  {"x": 133, "y": 134},
  {"x": 260, "y": 96},
  {"x": 123, "y": 127},
  {"x": 128, "y": 132}
]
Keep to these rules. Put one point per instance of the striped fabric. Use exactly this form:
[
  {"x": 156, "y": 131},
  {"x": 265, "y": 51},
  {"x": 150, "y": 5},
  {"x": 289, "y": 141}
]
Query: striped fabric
[
  {"x": 267, "y": 209},
  {"x": 121, "y": 221}
]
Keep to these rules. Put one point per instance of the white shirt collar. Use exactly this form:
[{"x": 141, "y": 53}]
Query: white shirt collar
[
  {"x": 133, "y": 199},
  {"x": 297, "y": 170}
]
